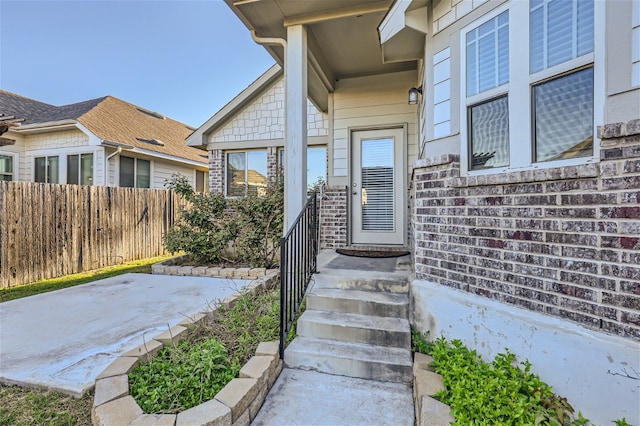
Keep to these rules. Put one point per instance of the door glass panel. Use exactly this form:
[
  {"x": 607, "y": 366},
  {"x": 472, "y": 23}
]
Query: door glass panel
[{"x": 377, "y": 185}]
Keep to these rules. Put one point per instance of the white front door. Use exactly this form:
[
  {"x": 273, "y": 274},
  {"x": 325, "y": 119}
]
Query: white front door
[{"x": 378, "y": 187}]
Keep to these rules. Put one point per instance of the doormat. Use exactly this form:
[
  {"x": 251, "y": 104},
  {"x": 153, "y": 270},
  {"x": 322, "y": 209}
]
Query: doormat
[{"x": 372, "y": 253}]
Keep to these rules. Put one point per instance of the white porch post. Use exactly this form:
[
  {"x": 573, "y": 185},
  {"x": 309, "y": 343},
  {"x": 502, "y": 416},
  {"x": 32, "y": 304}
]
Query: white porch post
[{"x": 295, "y": 185}]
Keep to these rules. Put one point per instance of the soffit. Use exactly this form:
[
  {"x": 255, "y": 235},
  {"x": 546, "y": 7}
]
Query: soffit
[{"x": 343, "y": 35}]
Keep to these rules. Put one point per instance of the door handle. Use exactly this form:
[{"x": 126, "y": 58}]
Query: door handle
[{"x": 355, "y": 192}]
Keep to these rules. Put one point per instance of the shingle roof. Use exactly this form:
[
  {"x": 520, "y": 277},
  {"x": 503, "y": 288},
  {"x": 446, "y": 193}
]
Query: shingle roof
[{"x": 110, "y": 119}]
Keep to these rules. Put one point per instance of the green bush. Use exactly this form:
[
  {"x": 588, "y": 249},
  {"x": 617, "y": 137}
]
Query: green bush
[
  {"x": 182, "y": 377},
  {"x": 216, "y": 230},
  {"x": 499, "y": 392}
]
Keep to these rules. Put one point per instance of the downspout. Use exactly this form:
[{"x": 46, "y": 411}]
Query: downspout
[
  {"x": 269, "y": 41},
  {"x": 106, "y": 163}
]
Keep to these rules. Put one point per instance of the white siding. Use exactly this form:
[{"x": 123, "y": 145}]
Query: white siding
[
  {"x": 163, "y": 170},
  {"x": 446, "y": 12},
  {"x": 48, "y": 141},
  {"x": 442, "y": 93},
  {"x": 370, "y": 102},
  {"x": 264, "y": 119}
]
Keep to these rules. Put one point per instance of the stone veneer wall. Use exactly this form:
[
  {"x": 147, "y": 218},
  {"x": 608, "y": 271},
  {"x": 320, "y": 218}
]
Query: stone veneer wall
[
  {"x": 562, "y": 241},
  {"x": 333, "y": 217}
]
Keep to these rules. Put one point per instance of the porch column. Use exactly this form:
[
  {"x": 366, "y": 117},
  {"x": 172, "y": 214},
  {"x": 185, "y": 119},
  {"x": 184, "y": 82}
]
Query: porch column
[{"x": 295, "y": 164}]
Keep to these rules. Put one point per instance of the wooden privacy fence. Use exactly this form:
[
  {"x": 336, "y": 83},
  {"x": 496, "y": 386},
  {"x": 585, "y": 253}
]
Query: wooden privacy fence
[{"x": 48, "y": 231}]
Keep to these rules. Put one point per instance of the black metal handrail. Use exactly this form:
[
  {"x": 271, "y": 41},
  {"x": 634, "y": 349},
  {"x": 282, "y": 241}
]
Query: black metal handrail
[{"x": 298, "y": 262}]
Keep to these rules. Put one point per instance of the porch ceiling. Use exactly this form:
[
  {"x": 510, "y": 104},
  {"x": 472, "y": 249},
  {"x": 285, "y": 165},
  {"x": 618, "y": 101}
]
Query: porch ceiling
[{"x": 342, "y": 37}]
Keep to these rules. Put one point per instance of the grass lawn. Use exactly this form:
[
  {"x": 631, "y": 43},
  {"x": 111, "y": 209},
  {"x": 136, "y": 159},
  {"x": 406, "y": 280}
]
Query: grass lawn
[
  {"x": 23, "y": 406},
  {"x": 44, "y": 286}
]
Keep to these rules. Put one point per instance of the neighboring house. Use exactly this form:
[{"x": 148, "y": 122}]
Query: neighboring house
[
  {"x": 505, "y": 138},
  {"x": 103, "y": 141}
]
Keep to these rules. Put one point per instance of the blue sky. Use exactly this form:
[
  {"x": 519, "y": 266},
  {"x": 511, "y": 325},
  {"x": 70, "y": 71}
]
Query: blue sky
[{"x": 184, "y": 59}]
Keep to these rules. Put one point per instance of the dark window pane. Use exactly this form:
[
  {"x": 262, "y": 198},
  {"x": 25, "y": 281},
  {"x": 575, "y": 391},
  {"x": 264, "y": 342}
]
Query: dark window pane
[
  {"x": 126, "y": 172},
  {"x": 563, "y": 110},
  {"x": 52, "y": 169},
  {"x": 40, "y": 168},
  {"x": 143, "y": 174},
  {"x": 86, "y": 169},
  {"x": 73, "y": 164},
  {"x": 489, "y": 134}
]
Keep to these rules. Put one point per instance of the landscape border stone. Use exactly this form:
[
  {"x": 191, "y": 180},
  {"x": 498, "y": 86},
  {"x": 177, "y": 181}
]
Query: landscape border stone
[
  {"x": 236, "y": 404},
  {"x": 173, "y": 266},
  {"x": 426, "y": 383}
]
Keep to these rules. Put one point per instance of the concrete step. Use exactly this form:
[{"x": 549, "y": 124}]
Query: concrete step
[
  {"x": 350, "y": 359},
  {"x": 382, "y": 331},
  {"x": 359, "y": 302},
  {"x": 362, "y": 281}
]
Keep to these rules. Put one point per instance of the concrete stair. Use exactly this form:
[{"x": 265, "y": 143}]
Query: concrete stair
[{"x": 356, "y": 325}]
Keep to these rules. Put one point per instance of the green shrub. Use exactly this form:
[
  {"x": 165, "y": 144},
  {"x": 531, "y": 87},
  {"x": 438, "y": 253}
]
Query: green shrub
[
  {"x": 217, "y": 230},
  {"x": 210, "y": 356},
  {"x": 182, "y": 377},
  {"x": 499, "y": 392}
]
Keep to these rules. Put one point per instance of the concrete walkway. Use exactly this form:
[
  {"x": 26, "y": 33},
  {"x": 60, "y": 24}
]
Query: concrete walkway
[
  {"x": 64, "y": 339},
  {"x": 301, "y": 397}
]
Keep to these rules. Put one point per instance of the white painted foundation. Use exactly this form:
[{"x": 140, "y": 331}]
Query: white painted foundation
[{"x": 576, "y": 361}]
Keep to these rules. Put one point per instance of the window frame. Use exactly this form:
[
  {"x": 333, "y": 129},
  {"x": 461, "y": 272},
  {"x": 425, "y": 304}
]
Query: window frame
[
  {"x": 246, "y": 169},
  {"x": 135, "y": 172},
  {"x": 79, "y": 171},
  {"x": 46, "y": 168},
  {"x": 520, "y": 88},
  {"x": 14, "y": 166}
]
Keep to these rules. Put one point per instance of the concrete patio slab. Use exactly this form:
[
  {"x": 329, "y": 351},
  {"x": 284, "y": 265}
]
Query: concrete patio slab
[
  {"x": 301, "y": 397},
  {"x": 63, "y": 339}
]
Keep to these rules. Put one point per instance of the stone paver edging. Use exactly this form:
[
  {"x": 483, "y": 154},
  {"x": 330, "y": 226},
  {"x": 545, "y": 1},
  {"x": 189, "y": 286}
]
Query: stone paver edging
[
  {"x": 170, "y": 267},
  {"x": 426, "y": 383},
  {"x": 236, "y": 404}
]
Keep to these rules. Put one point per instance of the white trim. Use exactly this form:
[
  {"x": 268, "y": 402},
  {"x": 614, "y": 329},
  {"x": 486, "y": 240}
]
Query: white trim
[{"x": 162, "y": 156}]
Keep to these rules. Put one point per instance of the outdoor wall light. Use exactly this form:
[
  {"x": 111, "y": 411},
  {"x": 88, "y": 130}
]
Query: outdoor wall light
[{"x": 413, "y": 95}]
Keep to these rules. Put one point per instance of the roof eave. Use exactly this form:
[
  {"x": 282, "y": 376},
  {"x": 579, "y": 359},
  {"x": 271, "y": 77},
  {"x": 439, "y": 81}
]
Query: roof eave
[{"x": 49, "y": 126}]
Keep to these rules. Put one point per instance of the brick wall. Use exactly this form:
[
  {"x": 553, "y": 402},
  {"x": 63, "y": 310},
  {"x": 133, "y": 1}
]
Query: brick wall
[
  {"x": 333, "y": 217},
  {"x": 216, "y": 171},
  {"x": 561, "y": 241}
]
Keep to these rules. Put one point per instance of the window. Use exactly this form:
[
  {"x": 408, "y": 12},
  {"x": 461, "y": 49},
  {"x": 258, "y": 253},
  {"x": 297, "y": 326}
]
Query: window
[
  {"x": 135, "y": 173},
  {"x": 489, "y": 134},
  {"x": 46, "y": 169},
  {"x": 533, "y": 102},
  {"x": 6, "y": 168},
  {"x": 202, "y": 181},
  {"x": 316, "y": 164},
  {"x": 560, "y": 30},
  {"x": 488, "y": 55},
  {"x": 487, "y": 63},
  {"x": 563, "y": 111},
  {"x": 80, "y": 169},
  {"x": 246, "y": 173}
]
